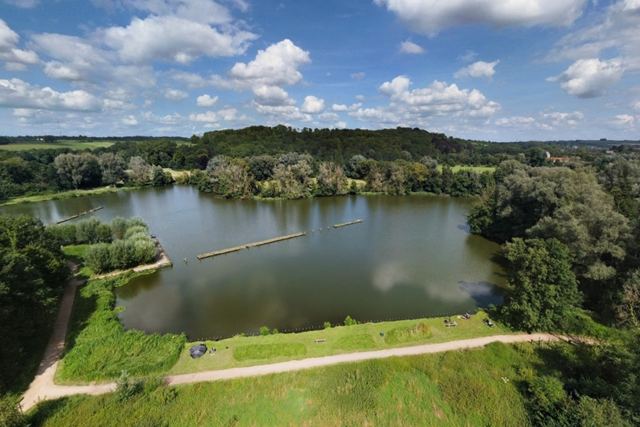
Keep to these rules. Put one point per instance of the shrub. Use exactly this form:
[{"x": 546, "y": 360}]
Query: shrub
[
  {"x": 264, "y": 331},
  {"x": 136, "y": 229},
  {"x": 98, "y": 258},
  {"x": 122, "y": 254},
  {"x": 118, "y": 227},
  {"x": 350, "y": 322},
  {"x": 125, "y": 388},
  {"x": 327, "y": 325}
]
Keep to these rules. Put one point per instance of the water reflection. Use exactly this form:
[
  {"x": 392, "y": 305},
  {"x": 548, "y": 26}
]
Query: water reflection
[{"x": 411, "y": 257}]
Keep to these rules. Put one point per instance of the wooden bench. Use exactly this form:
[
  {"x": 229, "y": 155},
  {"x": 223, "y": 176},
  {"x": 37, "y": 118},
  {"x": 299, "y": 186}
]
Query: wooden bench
[{"x": 321, "y": 340}]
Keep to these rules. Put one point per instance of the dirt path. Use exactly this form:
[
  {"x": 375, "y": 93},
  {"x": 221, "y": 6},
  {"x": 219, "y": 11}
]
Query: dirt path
[{"x": 43, "y": 387}]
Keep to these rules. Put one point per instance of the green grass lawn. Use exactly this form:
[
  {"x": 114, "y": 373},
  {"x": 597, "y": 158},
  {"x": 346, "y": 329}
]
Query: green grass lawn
[
  {"x": 478, "y": 169},
  {"x": 70, "y": 144},
  {"x": 64, "y": 195},
  {"x": 343, "y": 339},
  {"x": 458, "y": 388}
]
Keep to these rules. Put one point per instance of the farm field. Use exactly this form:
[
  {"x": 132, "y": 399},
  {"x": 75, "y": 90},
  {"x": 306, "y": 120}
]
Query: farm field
[{"x": 70, "y": 144}]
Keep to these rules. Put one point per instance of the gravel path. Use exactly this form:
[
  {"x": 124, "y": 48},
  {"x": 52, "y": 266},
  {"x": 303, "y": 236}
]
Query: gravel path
[{"x": 43, "y": 387}]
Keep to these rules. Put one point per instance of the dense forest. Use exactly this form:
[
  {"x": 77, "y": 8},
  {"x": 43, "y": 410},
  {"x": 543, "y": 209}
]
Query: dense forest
[{"x": 34, "y": 172}]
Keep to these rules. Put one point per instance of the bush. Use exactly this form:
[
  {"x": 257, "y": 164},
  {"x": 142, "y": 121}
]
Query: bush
[
  {"x": 327, "y": 325},
  {"x": 122, "y": 254},
  {"x": 350, "y": 322},
  {"x": 98, "y": 258},
  {"x": 10, "y": 415},
  {"x": 118, "y": 227},
  {"x": 136, "y": 229},
  {"x": 264, "y": 331},
  {"x": 125, "y": 388}
]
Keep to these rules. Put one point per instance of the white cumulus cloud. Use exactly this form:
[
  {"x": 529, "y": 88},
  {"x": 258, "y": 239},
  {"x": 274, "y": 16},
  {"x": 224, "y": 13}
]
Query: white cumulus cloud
[
  {"x": 411, "y": 48},
  {"x": 173, "y": 39},
  {"x": 431, "y": 16},
  {"x": 342, "y": 107},
  {"x": 272, "y": 95},
  {"x": 358, "y": 76},
  {"x": 16, "y": 93},
  {"x": 15, "y": 59},
  {"x": 312, "y": 105},
  {"x": 175, "y": 95},
  {"x": 589, "y": 78},
  {"x": 206, "y": 101},
  {"x": 278, "y": 65},
  {"x": 129, "y": 121},
  {"x": 478, "y": 69}
]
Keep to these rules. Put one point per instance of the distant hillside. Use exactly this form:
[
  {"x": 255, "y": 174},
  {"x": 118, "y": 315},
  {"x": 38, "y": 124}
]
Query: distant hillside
[{"x": 341, "y": 144}]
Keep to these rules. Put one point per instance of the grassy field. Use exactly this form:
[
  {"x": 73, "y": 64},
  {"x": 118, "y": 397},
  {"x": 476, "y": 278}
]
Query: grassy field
[
  {"x": 64, "y": 195},
  {"x": 70, "y": 144},
  {"x": 478, "y": 169},
  {"x": 98, "y": 346},
  {"x": 458, "y": 388},
  {"x": 343, "y": 339}
]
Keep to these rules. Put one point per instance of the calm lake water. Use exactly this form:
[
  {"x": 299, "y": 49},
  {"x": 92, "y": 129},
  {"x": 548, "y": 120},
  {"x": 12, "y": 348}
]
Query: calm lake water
[{"x": 410, "y": 257}]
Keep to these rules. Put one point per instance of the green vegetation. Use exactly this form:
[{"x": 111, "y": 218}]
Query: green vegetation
[
  {"x": 33, "y": 274},
  {"x": 99, "y": 348},
  {"x": 500, "y": 385},
  {"x": 268, "y": 351},
  {"x": 355, "y": 342},
  {"x": 62, "y": 195},
  {"x": 75, "y": 254},
  {"x": 542, "y": 288},
  {"x": 418, "y": 332},
  {"x": 342, "y": 339},
  {"x": 60, "y": 144},
  {"x": 478, "y": 169},
  {"x": 132, "y": 245}
]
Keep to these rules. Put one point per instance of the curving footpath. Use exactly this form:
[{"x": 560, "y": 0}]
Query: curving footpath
[{"x": 43, "y": 387}]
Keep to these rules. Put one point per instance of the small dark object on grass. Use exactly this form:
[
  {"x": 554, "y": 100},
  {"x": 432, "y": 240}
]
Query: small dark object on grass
[
  {"x": 467, "y": 316},
  {"x": 382, "y": 333},
  {"x": 447, "y": 320},
  {"x": 198, "y": 350},
  {"x": 488, "y": 322}
]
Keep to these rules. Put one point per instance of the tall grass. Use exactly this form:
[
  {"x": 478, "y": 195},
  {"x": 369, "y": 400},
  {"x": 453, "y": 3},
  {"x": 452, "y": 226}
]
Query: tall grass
[
  {"x": 415, "y": 333},
  {"x": 268, "y": 351},
  {"x": 99, "y": 347},
  {"x": 462, "y": 388}
]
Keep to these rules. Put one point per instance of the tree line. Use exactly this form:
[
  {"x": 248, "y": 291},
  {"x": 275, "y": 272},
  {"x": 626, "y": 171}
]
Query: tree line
[
  {"x": 572, "y": 243},
  {"x": 36, "y": 171}
]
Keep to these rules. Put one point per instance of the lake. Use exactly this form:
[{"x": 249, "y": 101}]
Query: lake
[{"x": 412, "y": 256}]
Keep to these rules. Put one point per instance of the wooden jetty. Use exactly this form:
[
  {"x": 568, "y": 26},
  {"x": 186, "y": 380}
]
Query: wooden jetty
[
  {"x": 344, "y": 224},
  {"x": 250, "y": 245},
  {"x": 79, "y": 215}
]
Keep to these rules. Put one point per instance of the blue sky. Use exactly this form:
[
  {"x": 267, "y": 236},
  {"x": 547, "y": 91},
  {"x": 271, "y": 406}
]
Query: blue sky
[{"x": 498, "y": 70}]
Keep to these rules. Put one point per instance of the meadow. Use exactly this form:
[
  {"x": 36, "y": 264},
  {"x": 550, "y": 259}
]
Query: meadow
[
  {"x": 71, "y": 144},
  {"x": 242, "y": 351},
  {"x": 458, "y": 388}
]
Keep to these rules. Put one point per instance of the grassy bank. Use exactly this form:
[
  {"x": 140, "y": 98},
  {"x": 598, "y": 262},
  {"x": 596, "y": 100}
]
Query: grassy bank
[
  {"x": 460, "y": 388},
  {"x": 248, "y": 351},
  {"x": 98, "y": 346},
  {"x": 64, "y": 195}
]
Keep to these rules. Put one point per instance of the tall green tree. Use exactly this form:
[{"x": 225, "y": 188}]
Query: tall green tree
[{"x": 541, "y": 288}]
